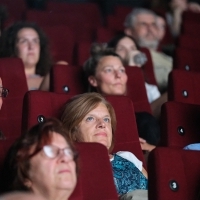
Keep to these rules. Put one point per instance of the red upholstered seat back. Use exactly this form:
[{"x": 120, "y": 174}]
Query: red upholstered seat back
[
  {"x": 126, "y": 135},
  {"x": 62, "y": 42},
  {"x": 184, "y": 86},
  {"x": 136, "y": 90},
  {"x": 180, "y": 124},
  {"x": 67, "y": 79},
  {"x": 148, "y": 68},
  {"x": 189, "y": 42},
  {"x": 38, "y": 104},
  {"x": 13, "y": 77},
  {"x": 89, "y": 10},
  {"x": 95, "y": 180},
  {"x": 173, "y": 168},
  {"x": 186, "y": 59}
]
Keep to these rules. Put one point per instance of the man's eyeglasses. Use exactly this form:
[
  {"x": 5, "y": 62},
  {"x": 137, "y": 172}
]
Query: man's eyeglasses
[
  {"x": 53, "y": 151},
  {"x": 3, "y": 92}
]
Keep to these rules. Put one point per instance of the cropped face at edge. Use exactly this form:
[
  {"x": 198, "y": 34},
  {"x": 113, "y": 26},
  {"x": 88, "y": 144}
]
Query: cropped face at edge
[
  {"x": 96, "y": 126},
  {"x": 57, "y": 173},
  {"x": 110, "y": 76}
]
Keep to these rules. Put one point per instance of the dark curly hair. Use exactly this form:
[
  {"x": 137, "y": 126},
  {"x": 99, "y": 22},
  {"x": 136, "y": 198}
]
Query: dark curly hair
[{"x": 8, "y": 43}]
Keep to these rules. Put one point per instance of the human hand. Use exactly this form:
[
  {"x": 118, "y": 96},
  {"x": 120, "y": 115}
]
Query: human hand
[
  {"x": 146, "y": 146},
  {"x": 194, "y": 7},
  {"x": 178, "y": 6}
]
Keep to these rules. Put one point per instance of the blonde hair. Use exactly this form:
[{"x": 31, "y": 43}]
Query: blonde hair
[{"x": 78, "y": 107}]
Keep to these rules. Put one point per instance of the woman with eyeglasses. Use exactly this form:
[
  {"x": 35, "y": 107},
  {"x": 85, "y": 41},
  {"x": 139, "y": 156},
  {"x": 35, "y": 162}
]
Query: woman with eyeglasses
[
  {"x": 3, "y": 93},
  {"x": 42, "y": 161}
]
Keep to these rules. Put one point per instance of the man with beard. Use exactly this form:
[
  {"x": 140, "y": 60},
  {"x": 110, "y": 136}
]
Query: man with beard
[{"x": 141, "y": 24}]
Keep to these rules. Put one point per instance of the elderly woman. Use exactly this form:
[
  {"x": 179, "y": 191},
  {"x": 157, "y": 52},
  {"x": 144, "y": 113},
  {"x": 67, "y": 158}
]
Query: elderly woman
[
  {"x": 42, "y": 161},
  {"x": 107, "y": 75},
  {"x": 27, "y": 41},
  {"x": 89, "y": 117}
]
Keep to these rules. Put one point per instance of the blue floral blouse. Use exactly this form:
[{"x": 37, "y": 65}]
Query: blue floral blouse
[{"x": 127, "y": 176}]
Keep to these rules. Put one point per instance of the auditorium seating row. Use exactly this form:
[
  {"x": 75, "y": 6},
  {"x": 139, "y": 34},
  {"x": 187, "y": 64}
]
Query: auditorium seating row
[{"x": 38, "y": 105}]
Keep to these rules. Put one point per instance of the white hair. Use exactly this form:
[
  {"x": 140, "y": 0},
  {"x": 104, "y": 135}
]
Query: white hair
[{"x": 131, "y": 18}]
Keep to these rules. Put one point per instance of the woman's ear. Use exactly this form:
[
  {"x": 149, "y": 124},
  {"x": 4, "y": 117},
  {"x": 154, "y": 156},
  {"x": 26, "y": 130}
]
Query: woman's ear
[{"x": 92, "y": 80}]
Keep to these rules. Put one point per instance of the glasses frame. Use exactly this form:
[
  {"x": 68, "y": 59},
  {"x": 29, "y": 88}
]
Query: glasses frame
[{"x": 58, "y": 152}]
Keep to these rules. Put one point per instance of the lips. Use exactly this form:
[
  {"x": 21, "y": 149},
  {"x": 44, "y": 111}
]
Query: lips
[
  {"x": 64, "y": 171},
  {"x": 101, "y": 134}
]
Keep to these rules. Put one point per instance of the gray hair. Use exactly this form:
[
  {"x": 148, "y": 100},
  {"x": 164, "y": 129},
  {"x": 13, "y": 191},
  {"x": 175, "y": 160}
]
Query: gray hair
[{"x": 131, "y": 18}]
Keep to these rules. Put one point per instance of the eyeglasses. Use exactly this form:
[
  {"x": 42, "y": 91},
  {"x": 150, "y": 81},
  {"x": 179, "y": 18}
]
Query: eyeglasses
[
  {"x": 3, "y": 92},
  {"x": 53, "y": 151}
]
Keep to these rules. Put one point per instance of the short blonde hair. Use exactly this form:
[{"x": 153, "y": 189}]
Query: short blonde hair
[{"x": 78, "y": 107}]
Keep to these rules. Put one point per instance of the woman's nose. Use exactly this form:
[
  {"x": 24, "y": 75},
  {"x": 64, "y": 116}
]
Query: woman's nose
[{"x": 101, "y": 123}]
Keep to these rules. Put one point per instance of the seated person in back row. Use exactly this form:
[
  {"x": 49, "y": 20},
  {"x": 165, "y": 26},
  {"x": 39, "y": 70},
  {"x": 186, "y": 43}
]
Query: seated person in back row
[
  {"x": 127, "y": 49},
  {"x": 27, "y": 41},
  {"x": 107, "y": 75}
]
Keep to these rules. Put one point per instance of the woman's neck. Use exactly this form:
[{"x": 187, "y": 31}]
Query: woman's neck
[{"x": 30, "y": 70}]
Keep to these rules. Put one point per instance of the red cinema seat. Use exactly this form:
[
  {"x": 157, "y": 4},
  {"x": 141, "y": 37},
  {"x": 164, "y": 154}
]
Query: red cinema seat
[
  {"x": 126, "y": 135},
  {"x": 90, "y": 10},
  {"x": 83, "y": 53},
  {"x": 186, "y": 59},
  {"x": 189, "y": 42},
  {"x": 101, "y": 184},
  {"x": 173, "y": 174},
  {"x": 62, "y": 42},
  {"x": 191, "y": 17},
  {"x": 179, "y": 124},
  {"x": 136, "y": 90},
  {"x": 13, "y": 76},
  {"x": 82, "y": 29},
  {"x": 38, "y": 105},
  {"x": 184, "y": 86},
  {"x": 104, "y": 35},
  {"x": 67, "y": 79},
  {"x": 148, "y": 68},
  {"x": 191, "y": 29}
]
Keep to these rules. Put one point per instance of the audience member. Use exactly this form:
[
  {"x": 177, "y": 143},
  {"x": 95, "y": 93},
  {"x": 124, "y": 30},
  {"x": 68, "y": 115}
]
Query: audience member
[
  {"x": 107, "y": 75},
  {"x": 42, "y": 161},
  {"x": 88, "y": 117},
  {"x": 141, "y": 25},
  {"x": 28, "y": 42},
  {"x": 126, "y": 47}
]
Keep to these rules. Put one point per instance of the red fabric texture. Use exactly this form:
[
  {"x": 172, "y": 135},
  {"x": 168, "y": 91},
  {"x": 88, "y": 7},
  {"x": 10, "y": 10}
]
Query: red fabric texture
[
  {"x": 183, "y": 82},
  {"x": 13, "y": 77},
  {"x": 167, "y": 164},
  {"x": 176, "y": 115},
  {"x": 136, "y": 89},
  {"x": 67, "y": 76}
]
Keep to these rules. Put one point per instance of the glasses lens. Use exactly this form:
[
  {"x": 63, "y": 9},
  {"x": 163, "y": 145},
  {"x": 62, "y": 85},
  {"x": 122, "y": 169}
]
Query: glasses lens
[
  {"x": 50, "y": 151},
  {"x": 69, "y": 153}
]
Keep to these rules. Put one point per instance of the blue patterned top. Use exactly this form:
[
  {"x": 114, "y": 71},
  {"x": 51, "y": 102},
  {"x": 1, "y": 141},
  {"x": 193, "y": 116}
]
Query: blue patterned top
[{"x": 127, "y": 176}]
